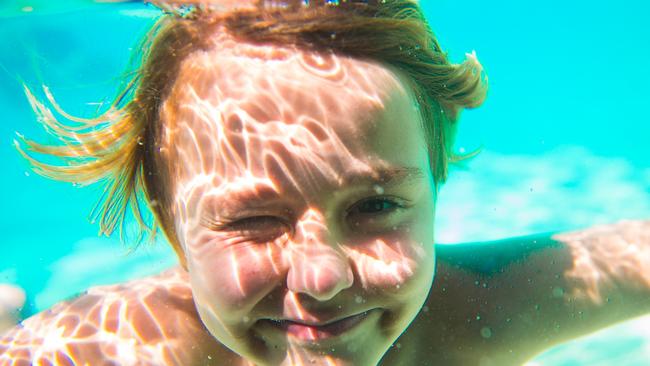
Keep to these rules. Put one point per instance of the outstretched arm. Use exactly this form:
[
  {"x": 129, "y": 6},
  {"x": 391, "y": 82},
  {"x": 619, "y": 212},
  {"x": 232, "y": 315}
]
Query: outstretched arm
[{"x": 512, "y": 299}]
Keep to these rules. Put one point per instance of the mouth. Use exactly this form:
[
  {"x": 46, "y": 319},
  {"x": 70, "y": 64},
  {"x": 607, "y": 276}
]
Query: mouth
[{"x": 310, "y": 332}]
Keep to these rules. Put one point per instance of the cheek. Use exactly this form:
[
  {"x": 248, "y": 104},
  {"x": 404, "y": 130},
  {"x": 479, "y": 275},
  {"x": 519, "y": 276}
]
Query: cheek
[
  {"x": 394, "y": 263},
  {"x": 232, "y": 278}
]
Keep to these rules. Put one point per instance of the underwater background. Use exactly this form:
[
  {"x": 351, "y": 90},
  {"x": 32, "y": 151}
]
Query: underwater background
[{"x": 564, "y": 134}]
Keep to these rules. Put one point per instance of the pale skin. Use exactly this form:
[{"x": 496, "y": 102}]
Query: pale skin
[{"x": 303, "y": 200}]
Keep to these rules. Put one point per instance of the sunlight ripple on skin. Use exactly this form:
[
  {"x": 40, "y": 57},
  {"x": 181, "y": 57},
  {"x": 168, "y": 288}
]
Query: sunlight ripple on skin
[
  {"x": 107, "y": 323},
  {"x": 262, "y": 130},
  {"x": 607, "y": 250}
]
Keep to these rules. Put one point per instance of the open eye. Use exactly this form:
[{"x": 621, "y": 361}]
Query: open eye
[
  {"x": 376, "y": 214},
  {"x": 375, "y": 206}
]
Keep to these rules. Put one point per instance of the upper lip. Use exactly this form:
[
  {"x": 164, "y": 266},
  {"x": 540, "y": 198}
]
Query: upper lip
[{"x": 318, "y": 324}]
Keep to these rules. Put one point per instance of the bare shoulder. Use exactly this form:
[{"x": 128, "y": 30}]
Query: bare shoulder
[
  {"x": 149, "y": 321},
  {"x": 504, "y": 302}
]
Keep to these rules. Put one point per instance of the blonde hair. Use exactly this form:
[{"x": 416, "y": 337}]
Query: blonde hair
[{"x": 121, "y": 146}]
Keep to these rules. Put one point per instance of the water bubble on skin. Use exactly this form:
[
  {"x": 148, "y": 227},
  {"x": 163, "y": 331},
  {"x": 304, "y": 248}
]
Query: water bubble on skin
[
  {"x": 245, "y": 319},
  {"x": 140, "y": 141},
  {"x": 358, "y": 299},
  {"x": 486, "y": 332},
  {"x": 478, "y": 317},
  {"x": 378, "y": 189}
]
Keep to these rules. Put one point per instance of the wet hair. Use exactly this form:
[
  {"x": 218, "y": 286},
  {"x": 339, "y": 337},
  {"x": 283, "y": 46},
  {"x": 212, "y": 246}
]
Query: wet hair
[{"x": 121, "y": 147}]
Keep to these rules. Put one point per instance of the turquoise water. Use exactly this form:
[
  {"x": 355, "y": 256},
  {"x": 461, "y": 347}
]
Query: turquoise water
[{"x": 564, "y": 134}]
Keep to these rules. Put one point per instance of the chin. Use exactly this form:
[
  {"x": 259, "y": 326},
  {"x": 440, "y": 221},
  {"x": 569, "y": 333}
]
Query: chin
[{"x": 361, "y": 344}]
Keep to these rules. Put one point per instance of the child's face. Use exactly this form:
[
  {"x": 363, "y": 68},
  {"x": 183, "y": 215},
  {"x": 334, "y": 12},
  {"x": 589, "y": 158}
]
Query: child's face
[{"x": 302, "y": 196}]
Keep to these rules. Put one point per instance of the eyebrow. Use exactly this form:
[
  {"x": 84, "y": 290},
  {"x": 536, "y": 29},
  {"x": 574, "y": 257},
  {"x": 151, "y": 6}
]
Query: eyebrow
[
  {"x": 265, "y": 196},
  {"x": 387, "y": 177}
]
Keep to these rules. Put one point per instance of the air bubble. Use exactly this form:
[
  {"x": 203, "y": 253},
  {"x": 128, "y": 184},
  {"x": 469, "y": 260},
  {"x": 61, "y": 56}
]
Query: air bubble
[
  {"x": 378, "y": 189},
  {"x": 358, "y": 299}
]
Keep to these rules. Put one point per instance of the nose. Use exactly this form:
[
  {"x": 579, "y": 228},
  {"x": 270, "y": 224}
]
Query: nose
[{"x": 317, "y": 265}]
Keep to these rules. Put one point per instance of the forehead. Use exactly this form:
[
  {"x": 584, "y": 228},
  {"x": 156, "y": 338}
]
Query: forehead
[{"x": 239, "y": 108}]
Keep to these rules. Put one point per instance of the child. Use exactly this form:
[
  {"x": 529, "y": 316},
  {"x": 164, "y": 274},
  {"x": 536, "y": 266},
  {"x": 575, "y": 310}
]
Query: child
[{"x": 292, "y": 155}]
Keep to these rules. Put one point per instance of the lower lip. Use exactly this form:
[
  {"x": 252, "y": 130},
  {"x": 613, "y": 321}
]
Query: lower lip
[{"x": 312, "y": 333}]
